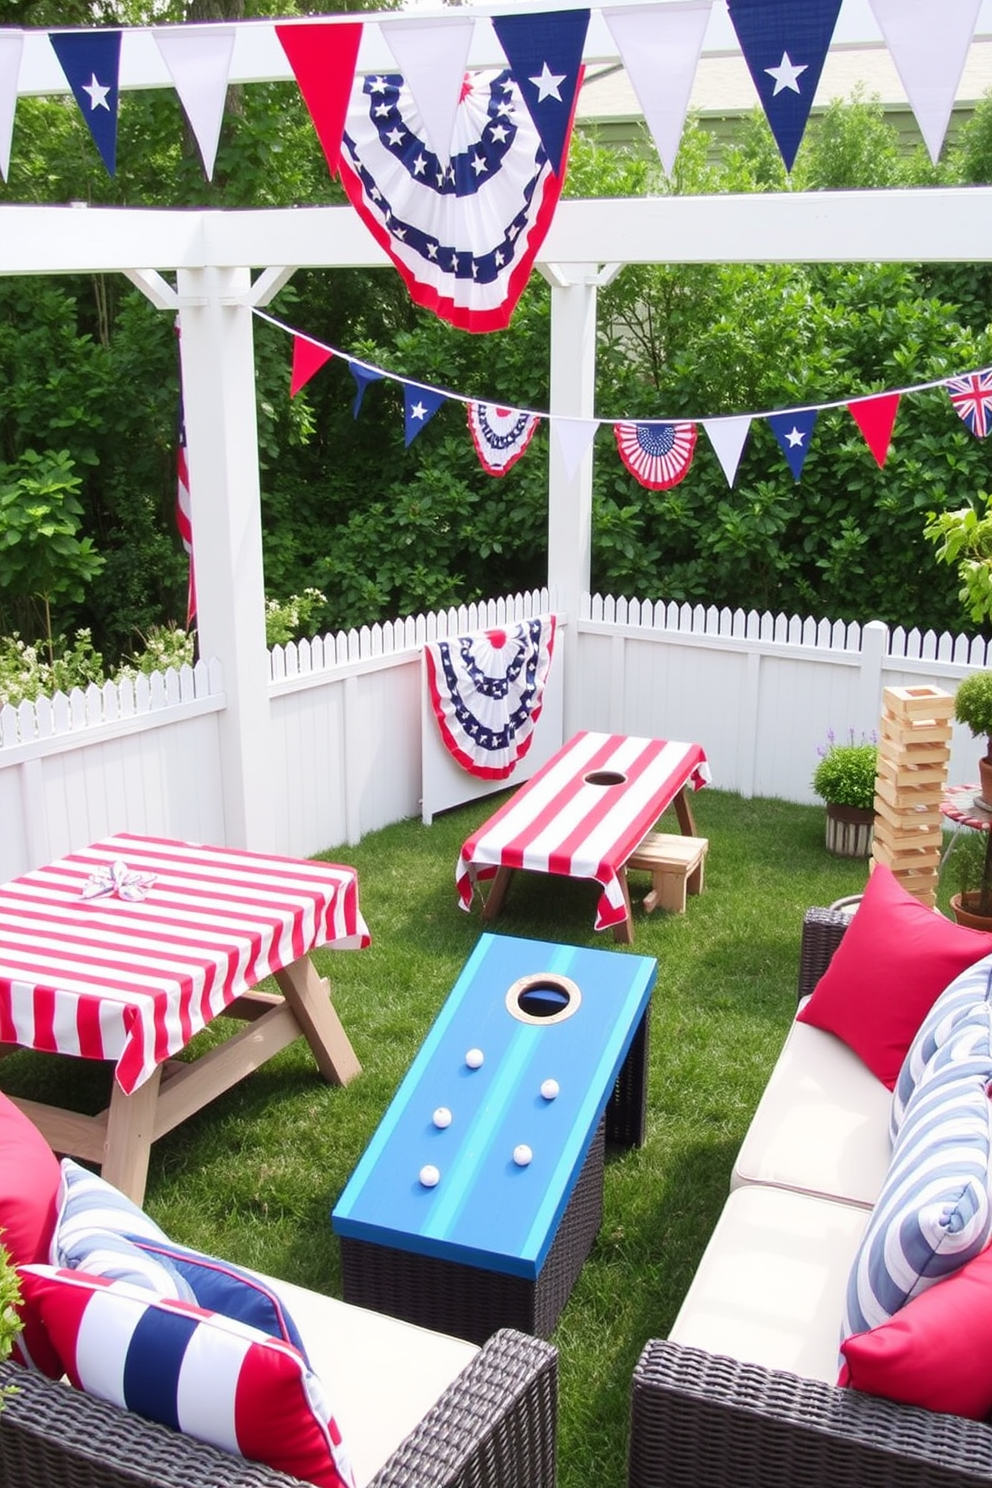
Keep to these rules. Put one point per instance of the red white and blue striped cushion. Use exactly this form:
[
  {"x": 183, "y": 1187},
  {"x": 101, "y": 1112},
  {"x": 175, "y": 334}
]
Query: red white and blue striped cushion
[
  {"x": 209, "y": 1376},
  {"x": 933, "y": 1045}
]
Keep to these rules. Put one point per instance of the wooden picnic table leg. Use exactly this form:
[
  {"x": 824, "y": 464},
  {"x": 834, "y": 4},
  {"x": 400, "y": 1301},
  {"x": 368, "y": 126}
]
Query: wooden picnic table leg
[
  {"x": 496, "y": 895},
  {"x": 129, "y": 1137},
  {"x": 683, "y": 811},
  {"x": 309, "y": 996}
]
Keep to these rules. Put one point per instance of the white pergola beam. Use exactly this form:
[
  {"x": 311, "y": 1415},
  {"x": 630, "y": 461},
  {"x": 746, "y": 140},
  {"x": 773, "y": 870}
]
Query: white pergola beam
[{"x": 920, "y": 226}]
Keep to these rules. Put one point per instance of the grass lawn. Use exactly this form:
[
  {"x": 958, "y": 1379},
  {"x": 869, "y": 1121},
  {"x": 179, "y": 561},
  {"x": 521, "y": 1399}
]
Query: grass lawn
[{"x": 254, "y": 1176}]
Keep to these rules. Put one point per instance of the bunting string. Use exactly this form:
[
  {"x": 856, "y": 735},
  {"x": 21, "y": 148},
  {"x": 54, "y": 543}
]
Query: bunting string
[{"x": 657, "y": 452}]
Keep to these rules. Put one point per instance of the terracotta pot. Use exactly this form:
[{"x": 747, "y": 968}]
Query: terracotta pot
[
  {"x": 849, "y": 830},
  {"x": 963, "y": 907},
  {"x": 985, "y": 779}
]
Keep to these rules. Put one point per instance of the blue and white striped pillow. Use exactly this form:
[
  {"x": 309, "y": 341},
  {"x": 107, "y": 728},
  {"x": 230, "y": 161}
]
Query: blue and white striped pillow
[
  {"x": 91, "y": 1229},
  {"x": 935, "y": 1209},
  {"x": 970, "y": 989}
]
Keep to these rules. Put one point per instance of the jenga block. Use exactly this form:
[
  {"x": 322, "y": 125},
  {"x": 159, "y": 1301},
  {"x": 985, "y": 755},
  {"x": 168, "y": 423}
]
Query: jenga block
[
  {"x": 908, "y": 797},
  {"x": 918, "y": 702},
  {"x": 900, "y": 815},
  {"x": 904, "y": 774},
  {"x": 914, "y": 736}
]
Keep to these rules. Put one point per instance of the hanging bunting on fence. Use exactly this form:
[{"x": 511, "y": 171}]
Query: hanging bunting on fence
[
  {"x": 728, "y": 437},
  {"x": 876, "y": 418},
  {"x": 500, "y": 435},
  {"x": 929, "y": 56},
  {"x": 323, "y": 60},
  {"x": 363, "y": 376},
  {"x": 487, "y": 691},
  {"x": 91, "y": 62},
  {"x": 464, "y": 232},
  {"x": 199, "y": 63},
  {"x": 971, "y": 396},
  {"x": 659, "y": 47},
  {"x": 433, "y": 57},
  {"x": 784, "y": 46},
  {"x": 420, "y": 404},
  {"x": 545, "y": 57},
  {"x": 308, "y": 358},
  {"x": 657, "y": 455},
  {"x": 794, "y": 430}
]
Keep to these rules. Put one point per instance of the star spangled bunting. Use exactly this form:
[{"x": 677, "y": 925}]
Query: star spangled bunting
[
  {"x": 363, "y": 376},
  {"x": 308, "y": 358},
  {"x": 500, "y": 435},
  {"x": 91, "y": 63},
  {"x": 876, "y": 418},
  {"x": 972, "y": 398},
  {"x": 487, "y": 691},
  {"x": 323, "y": 60},
  {"x": 794, "y": 430},
  {"x": 784, "y": 45},
  {"x": 420, "y": 404},
  {"x": 657, "y": 455},
  {"x": 545, "y": 57},
  {"x": 463, "y": 232}
]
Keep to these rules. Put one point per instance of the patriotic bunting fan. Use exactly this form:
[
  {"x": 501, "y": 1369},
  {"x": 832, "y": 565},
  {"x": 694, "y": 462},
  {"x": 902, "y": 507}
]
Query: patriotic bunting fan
[
  {"x": 487, "y": 691},
  {"x": 658, "y": 455},
  {"x": 500, "y": 435},
  {"x": 972, "y": 397},
  {"x": 462, "y": 232}
]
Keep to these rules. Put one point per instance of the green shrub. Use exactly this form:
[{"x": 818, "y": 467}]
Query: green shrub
[{"x": 845, "y": 775}]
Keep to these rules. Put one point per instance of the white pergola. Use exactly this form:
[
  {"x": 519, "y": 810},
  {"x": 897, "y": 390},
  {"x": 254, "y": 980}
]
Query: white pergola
[{"x": 226, "y": 263}]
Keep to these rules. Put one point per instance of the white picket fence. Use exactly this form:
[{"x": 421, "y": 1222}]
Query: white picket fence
[{"x": 346, "y": 751}]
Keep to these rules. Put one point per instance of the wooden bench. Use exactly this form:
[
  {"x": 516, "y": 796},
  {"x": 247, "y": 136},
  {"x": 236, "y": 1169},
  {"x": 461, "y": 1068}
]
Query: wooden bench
[{"x": 675, "y": 863}]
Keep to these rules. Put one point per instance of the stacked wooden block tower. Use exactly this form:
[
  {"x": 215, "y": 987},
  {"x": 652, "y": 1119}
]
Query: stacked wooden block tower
[{"x": 914, "y": 747}]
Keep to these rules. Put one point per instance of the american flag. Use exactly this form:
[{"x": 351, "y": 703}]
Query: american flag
[
  {"x": 184, "y": 507},
  {"x": 972, "y": 397},
  {"x": 658, "y": 455}
]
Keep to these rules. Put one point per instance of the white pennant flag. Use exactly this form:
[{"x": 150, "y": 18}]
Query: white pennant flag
[
  {"x": 199, "y": 63},
  {"x": 11, "y": 46},
  {"x": 929, "y": 46},
  {"x": 727, "y": 436},
  {"x": 432, "y": 57},
  {"x": 660, "y": 48},
  {"x": 574, "y": 438}
]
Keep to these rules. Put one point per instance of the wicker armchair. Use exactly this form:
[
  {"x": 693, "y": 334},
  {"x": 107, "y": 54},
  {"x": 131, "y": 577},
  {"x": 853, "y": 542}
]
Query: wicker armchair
[
  {"x": 493, "y": 1428},
  {"x": 700, "y": 1418}
]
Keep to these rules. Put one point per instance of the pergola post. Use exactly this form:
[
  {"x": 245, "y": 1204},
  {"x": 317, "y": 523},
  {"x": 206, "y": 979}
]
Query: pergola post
[
  {"x": 218, "y": 378},
  {"x": 573, "y": 394}
]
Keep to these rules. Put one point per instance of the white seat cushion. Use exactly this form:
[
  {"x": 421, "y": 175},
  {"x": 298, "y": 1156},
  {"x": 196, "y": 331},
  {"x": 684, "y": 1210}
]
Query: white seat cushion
[
  {"x": 822, "y": 1123},
  {"x": 380, "y": 1375},
  {"x": 770, "y": 1286}
]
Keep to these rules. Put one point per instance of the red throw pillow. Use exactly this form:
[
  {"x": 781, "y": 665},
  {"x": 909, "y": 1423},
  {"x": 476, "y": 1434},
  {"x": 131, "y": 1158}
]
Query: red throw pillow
[
  {"x": 894, "y": 961},
  {"x": 29, "y": 1189},
  {"x": 922, "y": 1355}
]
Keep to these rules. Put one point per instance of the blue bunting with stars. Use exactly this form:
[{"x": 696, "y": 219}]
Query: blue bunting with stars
[
  {"x": 420, "y": 404},
  {"x": 91, "y": 63},
  {"x": 545, "y": 57},
  {"x": 785, "y": 44},
  {"x": 794, "y": 430}
]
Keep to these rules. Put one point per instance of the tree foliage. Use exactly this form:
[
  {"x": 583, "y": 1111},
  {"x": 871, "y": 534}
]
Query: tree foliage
[{"x": 89, "y": 368}]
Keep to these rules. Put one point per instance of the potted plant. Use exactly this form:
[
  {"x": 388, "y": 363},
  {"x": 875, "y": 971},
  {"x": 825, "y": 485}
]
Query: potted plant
[
  {"x": 970, "y": 862},
  {"x": 973, "y": 707},
  {"x": 845, "y": 780}
]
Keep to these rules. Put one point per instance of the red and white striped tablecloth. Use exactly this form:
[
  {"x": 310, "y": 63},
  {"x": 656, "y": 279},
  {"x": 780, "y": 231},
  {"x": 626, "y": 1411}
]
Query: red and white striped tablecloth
[
  {"x": 561, "y": 822},
  {"x": 133, "y": 980}
]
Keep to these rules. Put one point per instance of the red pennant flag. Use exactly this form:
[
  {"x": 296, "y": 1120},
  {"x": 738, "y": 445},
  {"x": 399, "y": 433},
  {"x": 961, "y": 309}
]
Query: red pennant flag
[
  {"x": 323, "y": 59},
  {"x": 875, "y": 418},
  {"x": 308, "y": 358}
]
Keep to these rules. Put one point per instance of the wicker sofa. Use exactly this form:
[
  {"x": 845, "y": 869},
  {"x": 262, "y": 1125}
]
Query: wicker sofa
[
  {"x": 708, "y": 1405},
  {"x": 493, "y": 1427}
]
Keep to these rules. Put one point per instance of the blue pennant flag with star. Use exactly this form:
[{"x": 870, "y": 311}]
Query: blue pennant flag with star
[
  {"x": 545, "y": 56},
  {"x": 794, "y": 430},
  {"x": 91, "y": 63},
  {"x": 785, "y": 45},
  {"x": 363, "y": 376},
  {"x": 420, "y": 404}
]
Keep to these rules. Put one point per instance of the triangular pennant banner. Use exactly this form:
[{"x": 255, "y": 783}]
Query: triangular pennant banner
[
  {"x": 432, "y": 57},
  {"x": 363, "y": 376},
  {"x": 199, "y": 62},
  {"x": 659, "y": 47},
  {"x": 727, "y": 436},
  {"x": 574, "y": 438},
  {"x": 929, "y": 57},
  {"x": 784, "y": 46},
  {"x": 657, "y": 455},
  {"x": 875, "y": 417},
  {"x": 91, "y": 63},
  {"x": 500, "y": 435},
  {"x": 323, "y": 59},
  {"x": 794, "y": 430},
  {"x": 308, "y": 358},
  {"x": 11, "y": 46},
  {"x": 545, "y": 56},
  {"x": 971, "y": 397},
  {"x": 420, "y": 404}
]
